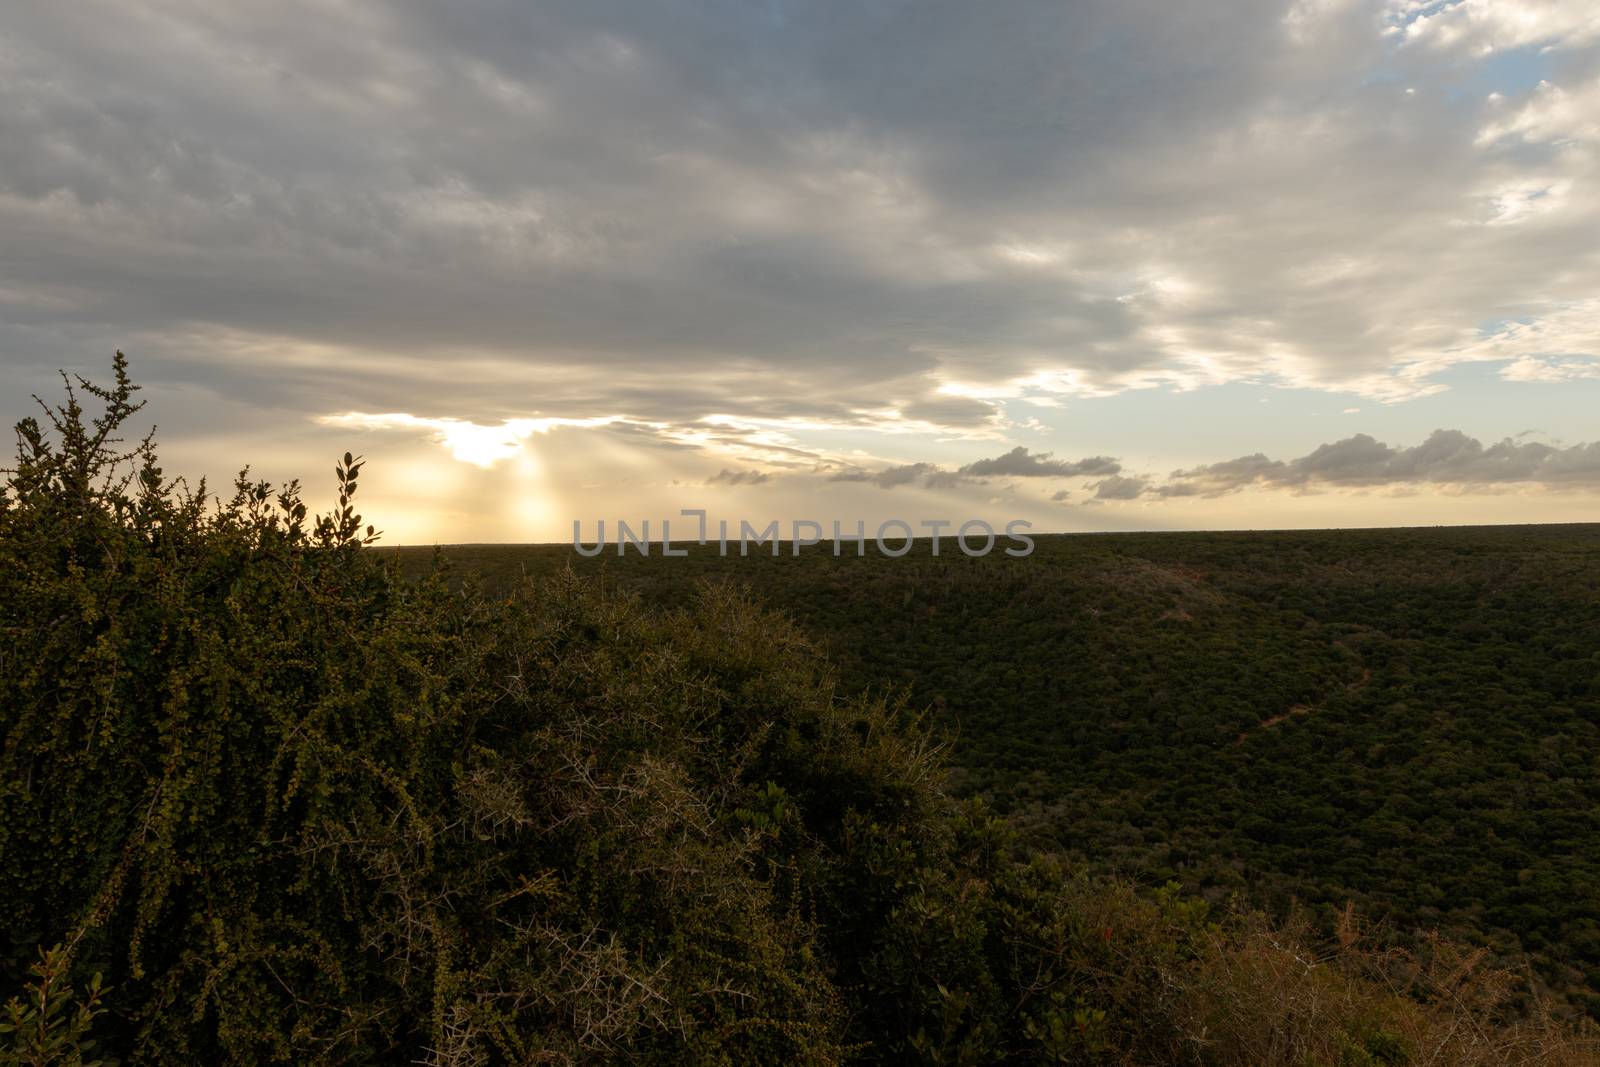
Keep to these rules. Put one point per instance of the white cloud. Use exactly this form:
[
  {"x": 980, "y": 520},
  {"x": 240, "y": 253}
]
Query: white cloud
[
  {"x": 1565, "y": 330},
  {"x": 1486, "y": 25},
  {"x": 1532, "y": 369},
  {"x": 1552, "y": 115}
]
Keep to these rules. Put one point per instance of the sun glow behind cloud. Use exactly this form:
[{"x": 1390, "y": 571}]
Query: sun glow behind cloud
[{"x": 469, "y": 442}]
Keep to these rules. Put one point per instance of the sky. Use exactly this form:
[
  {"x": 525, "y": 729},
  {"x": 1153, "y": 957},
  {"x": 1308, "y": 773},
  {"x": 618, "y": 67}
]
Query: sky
[{"x": 1102, "y": 264}]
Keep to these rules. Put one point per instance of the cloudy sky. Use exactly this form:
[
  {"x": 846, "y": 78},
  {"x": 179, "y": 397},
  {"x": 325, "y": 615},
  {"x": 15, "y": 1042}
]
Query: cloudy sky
[{"x": 1097, "y": 264}]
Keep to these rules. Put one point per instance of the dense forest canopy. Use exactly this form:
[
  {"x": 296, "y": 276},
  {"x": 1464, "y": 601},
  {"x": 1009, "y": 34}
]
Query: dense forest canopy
[
  {"x": 1408, "y": 718},
  {"x": 268, "y": 794}
]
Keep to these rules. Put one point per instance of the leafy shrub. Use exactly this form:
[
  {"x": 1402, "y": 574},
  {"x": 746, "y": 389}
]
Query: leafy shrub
[{"x": 50, "y": 1025}]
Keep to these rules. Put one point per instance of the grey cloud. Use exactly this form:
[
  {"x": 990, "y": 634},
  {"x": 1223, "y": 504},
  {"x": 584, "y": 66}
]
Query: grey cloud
[
  {"x": 890, "y": 477},
  {"x": 1217, "y": 478},
  {"x": 941, "y": 479},
  {"x": 1019, "y": 462},
  {"x": 728, "y": 477},
  {"x": 1447, "y": 457},
  {"x": 1119, "y": 487},
  {"x": 641, "y": 433},
  {"x": 950, "y": 411}
]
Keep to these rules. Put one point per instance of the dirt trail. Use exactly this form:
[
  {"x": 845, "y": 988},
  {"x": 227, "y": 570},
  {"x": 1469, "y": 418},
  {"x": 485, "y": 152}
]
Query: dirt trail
[{"x": 1301, "y": 709}]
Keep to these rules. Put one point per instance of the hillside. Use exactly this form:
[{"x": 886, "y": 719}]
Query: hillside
[{"x": 1409, "y": 719}]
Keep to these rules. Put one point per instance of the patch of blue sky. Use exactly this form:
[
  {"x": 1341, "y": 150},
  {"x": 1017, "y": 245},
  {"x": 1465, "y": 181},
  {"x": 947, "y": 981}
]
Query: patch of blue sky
[
  {"x": 1400, "y": 19},
  {"x": 1490, "y": 327},
  {"x": 1481, "y": 403},
  {"x": 1511, "y": 72}
]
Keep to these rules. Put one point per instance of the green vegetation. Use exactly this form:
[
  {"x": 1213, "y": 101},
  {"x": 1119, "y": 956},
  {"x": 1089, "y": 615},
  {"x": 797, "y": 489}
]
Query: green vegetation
[
  {"x": 265, "y": 798},
  {"x": 1409, "y": 719}
]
